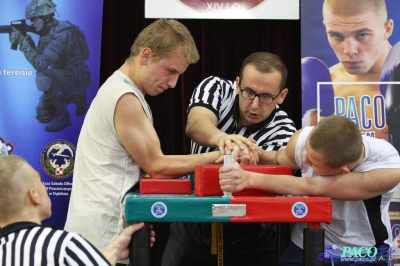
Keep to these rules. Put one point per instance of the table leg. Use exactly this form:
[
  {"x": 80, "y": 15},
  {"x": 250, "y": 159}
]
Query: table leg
[
  {"x": 139, "y": 248},
  {"x": 313, "y": 244}
]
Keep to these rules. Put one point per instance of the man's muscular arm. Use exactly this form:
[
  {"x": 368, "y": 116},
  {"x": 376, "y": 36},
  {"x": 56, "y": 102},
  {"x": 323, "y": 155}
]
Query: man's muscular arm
[
  {"x": 140, "y": 139},
  {"x": 282, "y": 157},
  {"x": 202, "y": 128}
]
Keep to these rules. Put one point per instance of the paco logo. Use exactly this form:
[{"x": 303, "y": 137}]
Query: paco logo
[
  {"x": 159, "y": 209},
  {"x": 57, "y": 159},
  {"x": 299, "y": 209},
  {"x": 355, "y": 254}
]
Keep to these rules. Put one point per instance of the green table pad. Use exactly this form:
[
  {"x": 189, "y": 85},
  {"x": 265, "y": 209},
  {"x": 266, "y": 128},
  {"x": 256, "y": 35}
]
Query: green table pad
[{"x": 171, "y": 208}]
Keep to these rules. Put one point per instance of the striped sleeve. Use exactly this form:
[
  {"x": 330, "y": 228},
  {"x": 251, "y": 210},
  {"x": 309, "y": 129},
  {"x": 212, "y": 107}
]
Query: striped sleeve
[
  {"x": 212, "y": 93},
  {"x": 80, "y": 252},
  {"x": 47, "y": 246},
  {"x": 276, "y": 134}
]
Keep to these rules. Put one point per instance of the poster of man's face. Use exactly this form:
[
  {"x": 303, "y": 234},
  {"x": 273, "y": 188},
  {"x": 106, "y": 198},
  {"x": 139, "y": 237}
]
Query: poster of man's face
[{"x": 350, "y": 51}]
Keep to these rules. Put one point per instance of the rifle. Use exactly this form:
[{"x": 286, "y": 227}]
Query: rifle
[{"x": 19, "y": 25}]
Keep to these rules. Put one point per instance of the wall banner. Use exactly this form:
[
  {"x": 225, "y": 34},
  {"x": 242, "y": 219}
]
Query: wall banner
[
  {"x": 47, "y": 82},
  {"x": 351, "y": 67},
  {"x": 223, "y": 9},
  {"x": 348, "y": 70}
]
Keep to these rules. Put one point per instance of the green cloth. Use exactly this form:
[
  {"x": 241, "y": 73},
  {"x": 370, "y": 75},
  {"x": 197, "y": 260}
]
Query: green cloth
[{"x": 171, "y": 208}]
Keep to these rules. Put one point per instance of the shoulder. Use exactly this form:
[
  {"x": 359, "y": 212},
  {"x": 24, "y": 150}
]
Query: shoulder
[
  {"x": 111, "y": 93},
  {"x": 338, "y": 72},
  {"x": 83, "y": 249},
  {"x": 376, "y": 145},
  {"x": 78, "y": 242},
  {"x": 63, "y": 26},
  {"x": 281, "y": 119},
  {"x": 129, "y": 104},
  {"x": 215, "y": 91},
  {"x": 118, "y": 85},
  {"x": 280, "y": 114},
  {"x": 129, "y": 98},
  {"x": 299, "y": 137},
  {"x": 378, "y": 154},
  {"x": 215, "y": 82}
]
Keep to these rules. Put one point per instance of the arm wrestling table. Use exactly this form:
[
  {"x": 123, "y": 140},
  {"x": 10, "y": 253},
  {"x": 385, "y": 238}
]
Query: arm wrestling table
[{"x": 240, "y": 208}]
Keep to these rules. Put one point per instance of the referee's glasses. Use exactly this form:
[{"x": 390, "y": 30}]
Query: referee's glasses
[{"x": 264, "y": 98}]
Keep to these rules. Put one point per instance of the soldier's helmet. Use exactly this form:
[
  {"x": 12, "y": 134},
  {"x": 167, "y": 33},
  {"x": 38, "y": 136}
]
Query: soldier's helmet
[{"x": 37, "y": 8}]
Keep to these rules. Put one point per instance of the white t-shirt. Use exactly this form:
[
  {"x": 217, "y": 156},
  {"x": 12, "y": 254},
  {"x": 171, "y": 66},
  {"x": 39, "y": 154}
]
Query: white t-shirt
[{"x": 354, "y": 223}]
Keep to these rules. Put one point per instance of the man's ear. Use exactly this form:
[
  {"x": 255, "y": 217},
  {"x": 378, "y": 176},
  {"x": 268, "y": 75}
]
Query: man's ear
[
  {"x": 145, "y": 55},
  {"x": 282, "y": 95},
  {"x": 345, "y": 169},
  {"x": 237, "y": 85},
  {"x": 388, "y": 28},
  {"x": 33, "y": 196}
]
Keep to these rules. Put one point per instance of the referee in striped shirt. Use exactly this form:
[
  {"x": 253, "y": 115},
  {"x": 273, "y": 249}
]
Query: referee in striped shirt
[
  {"x": 225, "y": 114},
  {"x": 24, "y": 203}
]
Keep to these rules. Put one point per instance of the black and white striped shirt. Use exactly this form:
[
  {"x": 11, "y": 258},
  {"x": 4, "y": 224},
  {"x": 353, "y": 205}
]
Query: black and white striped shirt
[
  {"x": 26, "y": 244},
  {"x": 219, "y": 95}
]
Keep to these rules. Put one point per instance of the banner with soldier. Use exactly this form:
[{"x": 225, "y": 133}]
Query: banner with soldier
[{"x": 49, "y": 74}]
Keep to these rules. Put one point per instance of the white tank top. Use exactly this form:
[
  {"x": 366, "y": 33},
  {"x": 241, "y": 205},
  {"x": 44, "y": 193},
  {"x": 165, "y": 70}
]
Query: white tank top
[{"x": 104, "y": 171}]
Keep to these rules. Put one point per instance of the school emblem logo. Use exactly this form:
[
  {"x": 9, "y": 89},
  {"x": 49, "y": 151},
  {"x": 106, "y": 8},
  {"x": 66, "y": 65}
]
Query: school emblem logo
[
  {"x": 58, "y": 158},
  {"x": 159, "y": 209},
  {"x": 299, "y": 209}
]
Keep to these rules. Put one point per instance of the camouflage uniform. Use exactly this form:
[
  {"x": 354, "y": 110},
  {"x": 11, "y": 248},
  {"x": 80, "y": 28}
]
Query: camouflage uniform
[{"x": 59, "y": 59}]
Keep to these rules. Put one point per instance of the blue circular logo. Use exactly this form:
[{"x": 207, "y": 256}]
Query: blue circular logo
[
  {"x": 57, "y": 159},
  {"x": 159, "y": 209},
  {"x": 299, "y": 209}
]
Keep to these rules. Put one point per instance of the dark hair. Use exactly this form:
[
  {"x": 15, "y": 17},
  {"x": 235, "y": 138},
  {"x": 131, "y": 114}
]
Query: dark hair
[
  {"x": 338, "y": 139},
  {"x": 266, "y": 63}
]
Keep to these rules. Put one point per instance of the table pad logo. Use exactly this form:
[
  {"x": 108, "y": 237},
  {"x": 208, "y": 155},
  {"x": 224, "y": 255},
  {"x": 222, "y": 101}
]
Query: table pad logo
[
  {"x": 299, "y": 209},
  {"x": 57, "y": 159},
  {"x": 159, "y": 209}
]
